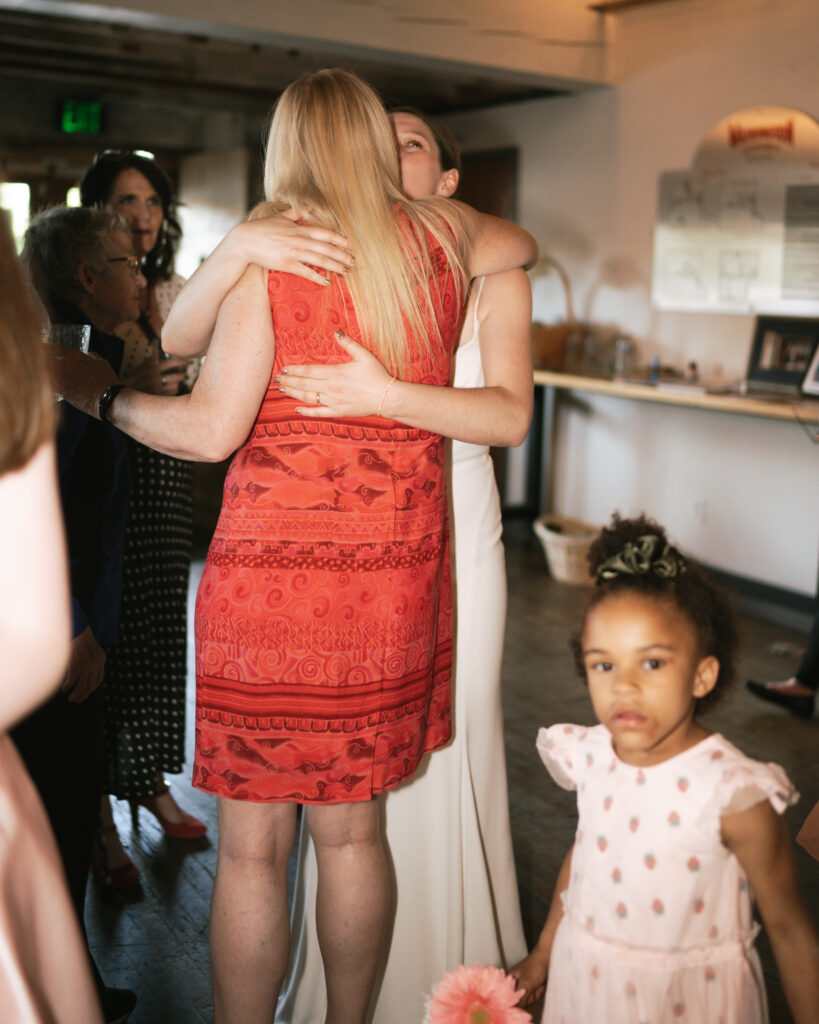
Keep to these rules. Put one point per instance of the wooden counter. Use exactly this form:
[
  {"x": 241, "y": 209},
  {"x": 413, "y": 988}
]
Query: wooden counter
[
  {"x": 785, "y": 407},
  {"x": 548, "y": 383}
]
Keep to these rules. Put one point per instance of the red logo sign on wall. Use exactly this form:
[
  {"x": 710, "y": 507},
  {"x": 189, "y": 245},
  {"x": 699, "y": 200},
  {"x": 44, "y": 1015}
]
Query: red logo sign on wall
[{"x": 740, "y": 133}]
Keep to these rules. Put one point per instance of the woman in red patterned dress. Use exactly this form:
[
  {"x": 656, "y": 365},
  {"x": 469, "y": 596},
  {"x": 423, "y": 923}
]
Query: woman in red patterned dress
[{"x": 323, "y": 617}]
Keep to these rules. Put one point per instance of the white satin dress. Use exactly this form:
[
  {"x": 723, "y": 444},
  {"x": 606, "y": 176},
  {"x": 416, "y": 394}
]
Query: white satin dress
[{"x": 448, "y": 832}]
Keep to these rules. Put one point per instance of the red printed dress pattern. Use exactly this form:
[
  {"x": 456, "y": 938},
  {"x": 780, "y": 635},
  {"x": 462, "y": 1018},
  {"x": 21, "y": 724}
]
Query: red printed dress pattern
[{"x": 323, "y": 618}]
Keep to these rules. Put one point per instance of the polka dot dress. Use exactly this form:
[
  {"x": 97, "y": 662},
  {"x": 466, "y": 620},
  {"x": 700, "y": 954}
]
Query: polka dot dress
[
  {"x": 658, "y": 923},
  {"x": 145, "y": 672}
]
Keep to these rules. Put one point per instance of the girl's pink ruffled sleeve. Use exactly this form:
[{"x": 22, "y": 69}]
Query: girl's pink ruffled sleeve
[
  {"x": 557, "y": 746},
  {"x": 747, "y": 783}
]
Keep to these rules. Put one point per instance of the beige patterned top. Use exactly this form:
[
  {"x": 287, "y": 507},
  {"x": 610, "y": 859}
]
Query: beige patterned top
[{"x": 138, "y": 347}]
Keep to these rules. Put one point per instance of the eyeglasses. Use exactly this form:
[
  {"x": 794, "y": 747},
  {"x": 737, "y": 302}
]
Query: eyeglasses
[{"x": 134, "y": 263}]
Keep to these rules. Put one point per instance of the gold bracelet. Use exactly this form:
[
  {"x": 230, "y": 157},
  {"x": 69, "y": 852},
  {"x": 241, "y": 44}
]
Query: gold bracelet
[{"x": 386, "y": 389}]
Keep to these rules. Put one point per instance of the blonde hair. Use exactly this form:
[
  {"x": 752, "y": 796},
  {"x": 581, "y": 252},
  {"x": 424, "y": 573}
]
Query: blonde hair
[
  {"x": 332, "y": 157},
  {"x": 26, "y": 397}
]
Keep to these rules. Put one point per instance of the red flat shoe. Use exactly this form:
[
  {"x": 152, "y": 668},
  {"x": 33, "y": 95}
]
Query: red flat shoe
[{"x": 190, "y": 828}]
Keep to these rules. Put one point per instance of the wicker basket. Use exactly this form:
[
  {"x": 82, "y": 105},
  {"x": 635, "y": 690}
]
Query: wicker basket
[
  {"x": 566, "y": 544},
  {"x": 549, "y": 345}
]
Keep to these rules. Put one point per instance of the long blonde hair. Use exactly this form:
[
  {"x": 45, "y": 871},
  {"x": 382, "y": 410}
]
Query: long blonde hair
[
  {"x": 331, "y": 156},
  {"x": 26, "y": 397}
]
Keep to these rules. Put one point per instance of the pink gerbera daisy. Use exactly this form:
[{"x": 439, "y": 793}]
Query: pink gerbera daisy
[{"x": 476, "y": 995}]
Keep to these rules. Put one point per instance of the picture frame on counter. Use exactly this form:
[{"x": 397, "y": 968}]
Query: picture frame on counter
[
  {"x": 782, "y": 353},
  {"x": 810, "y": 384}
]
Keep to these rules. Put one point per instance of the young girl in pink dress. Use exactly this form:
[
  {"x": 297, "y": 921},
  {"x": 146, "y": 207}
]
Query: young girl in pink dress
[{"x": 651, "y": 921}]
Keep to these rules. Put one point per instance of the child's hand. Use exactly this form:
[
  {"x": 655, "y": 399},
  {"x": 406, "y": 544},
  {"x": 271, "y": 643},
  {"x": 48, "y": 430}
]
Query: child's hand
[{"x": 530, "y": 975}]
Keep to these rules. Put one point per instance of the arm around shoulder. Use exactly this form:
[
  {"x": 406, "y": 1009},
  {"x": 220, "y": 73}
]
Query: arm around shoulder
[
  {"x": 495, "y": 244},
  {"x": 505, "y": 317},
  {"x": 190, "y": 323}
]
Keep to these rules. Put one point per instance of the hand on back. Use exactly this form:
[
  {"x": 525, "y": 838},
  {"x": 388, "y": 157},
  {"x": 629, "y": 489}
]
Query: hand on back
[
  {"x": 277, "y": 242},
  {"x": 354, "y": 388}
]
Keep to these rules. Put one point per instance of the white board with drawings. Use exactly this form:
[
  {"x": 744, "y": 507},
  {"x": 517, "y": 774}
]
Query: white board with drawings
[{"x": 738, "y": 232}]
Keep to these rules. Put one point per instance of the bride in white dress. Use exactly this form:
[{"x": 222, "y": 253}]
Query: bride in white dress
[{"x": 455, "y": 891}]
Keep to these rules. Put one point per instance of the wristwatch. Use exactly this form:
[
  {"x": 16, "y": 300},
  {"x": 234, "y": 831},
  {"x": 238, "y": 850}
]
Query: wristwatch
[{"x": 106, "y": 399}]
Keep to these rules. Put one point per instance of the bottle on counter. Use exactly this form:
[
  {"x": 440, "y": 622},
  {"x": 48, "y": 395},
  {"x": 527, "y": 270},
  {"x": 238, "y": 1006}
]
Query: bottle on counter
[
  {"x": 574, "y": 351},
  {"x": 623, "y": 357},
  {"x": 588, "y": 361}
]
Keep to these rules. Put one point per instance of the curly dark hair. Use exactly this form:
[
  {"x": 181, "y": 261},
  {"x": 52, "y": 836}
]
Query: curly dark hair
[
  {"x": 664, "y": 575},
  {"x": 97, "y": 186}
]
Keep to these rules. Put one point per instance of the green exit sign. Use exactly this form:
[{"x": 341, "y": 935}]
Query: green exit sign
[{"x": 81, "y": 116}]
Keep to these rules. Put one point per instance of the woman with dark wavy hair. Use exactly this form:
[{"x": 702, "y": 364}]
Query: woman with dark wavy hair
[
  {"x": 146, "y": 671},
  {"x": 157, "y": 236}
]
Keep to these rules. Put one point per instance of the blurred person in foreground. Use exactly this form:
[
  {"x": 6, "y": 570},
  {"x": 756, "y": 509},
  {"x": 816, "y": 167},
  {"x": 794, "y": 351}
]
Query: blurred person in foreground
[
  {"x": 84, "y": 269},
  {"x": 44, "y": 973}
]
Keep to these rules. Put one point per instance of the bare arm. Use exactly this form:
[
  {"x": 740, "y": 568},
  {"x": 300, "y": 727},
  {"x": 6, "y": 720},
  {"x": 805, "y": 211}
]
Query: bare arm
[
  {"x": 274, "y": 242},
  {"x": 495, "y": 245},
  {"x": 759, "y": 840},
  {"x": 35, "y": 624},
  {"x": 497, "y": 414},
  {"x": 531, "y": 973},
  {"x": 215, "y": 418}
]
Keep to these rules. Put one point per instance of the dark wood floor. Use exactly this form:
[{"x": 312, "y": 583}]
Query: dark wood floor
[{"x": 157, "y": 944}]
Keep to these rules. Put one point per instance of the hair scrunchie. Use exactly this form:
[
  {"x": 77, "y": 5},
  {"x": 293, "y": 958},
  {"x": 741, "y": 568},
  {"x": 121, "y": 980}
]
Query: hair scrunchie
[{"x": 640, "y": 557}]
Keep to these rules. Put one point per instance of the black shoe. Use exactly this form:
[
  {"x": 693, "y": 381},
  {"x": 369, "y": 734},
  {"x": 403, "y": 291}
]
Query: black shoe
[
  {"x": 797, "y": 704},
  {"x": 117, "y": 1004}
]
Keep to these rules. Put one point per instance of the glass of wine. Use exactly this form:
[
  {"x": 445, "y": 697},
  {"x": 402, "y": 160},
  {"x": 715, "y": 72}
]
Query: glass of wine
[{"x": 76, "y": 336}]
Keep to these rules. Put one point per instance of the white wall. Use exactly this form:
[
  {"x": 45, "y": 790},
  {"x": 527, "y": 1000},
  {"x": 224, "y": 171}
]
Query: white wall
[
  {"x": 742, "y": 494},
  {"x": 213, "y": 197}
]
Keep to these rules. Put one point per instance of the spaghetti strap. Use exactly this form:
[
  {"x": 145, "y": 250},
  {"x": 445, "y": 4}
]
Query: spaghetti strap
[{"x": 475, "y": 324}]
